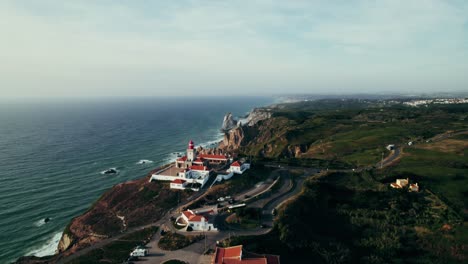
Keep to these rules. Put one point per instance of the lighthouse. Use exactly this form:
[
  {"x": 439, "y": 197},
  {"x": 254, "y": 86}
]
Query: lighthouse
[{"x": 191, "y": 155}]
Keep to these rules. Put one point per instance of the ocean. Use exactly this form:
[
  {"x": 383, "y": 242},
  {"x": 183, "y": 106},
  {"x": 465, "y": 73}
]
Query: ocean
[{"x": 53, "y": 153}]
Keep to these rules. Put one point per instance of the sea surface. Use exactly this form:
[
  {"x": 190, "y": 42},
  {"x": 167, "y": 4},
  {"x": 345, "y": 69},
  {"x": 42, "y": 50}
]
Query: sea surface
[{"x": 53, "y": 153}]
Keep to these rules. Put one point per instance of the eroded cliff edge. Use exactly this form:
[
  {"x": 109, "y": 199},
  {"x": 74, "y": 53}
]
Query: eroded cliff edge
[
  {"x": 263, "y": 133},
  {"x": 126, "y": 205}
]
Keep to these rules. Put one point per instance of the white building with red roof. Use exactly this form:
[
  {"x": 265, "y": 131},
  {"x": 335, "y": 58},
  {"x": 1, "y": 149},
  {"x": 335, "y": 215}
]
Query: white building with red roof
[
  {"x": 399, "y": 183},
  {"x": 414, "y": 187},
  {"x": 239, "y": 167},
  {"x": 194, "y": 169},
  {"x": 192, "y": 159},
  {"x": 197, "y": 221},
  {"x": 178, "y": 184},
  {"x": 236, "y": 255}
]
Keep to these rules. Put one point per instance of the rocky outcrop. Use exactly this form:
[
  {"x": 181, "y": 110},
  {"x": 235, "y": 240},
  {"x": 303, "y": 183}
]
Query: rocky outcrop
[
  {"x": 295, "y": 151},
  {"x": 245, "y": 129},
  {"x": 233, "y": 139},
  {"x": 65, "y": 242},
  {"x": 228, "y": 123},
  {"x": 257, "y": 115}
]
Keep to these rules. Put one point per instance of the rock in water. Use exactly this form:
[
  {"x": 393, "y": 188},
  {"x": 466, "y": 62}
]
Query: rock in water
[
  {"x": 47, "y": 219},
  {"x": 110, "y": 171},
  {"x": 228, "y": 123}
]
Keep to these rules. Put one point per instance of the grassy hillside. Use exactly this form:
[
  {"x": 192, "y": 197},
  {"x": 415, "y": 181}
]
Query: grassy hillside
[
  {"x": 355, "y": 217},
  {"x": 351, "y": 132}
]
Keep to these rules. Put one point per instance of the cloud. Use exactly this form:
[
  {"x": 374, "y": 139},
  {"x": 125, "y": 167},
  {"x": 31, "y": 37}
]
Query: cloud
[{"x": 71, "y": 48}]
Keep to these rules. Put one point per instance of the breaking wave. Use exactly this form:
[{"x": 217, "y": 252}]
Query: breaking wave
[
  {"x": 144, "y": 161},
  {"x": 114, "y": 169},
  {"x": 48, "y": 248},
  {"x": 41, "y": 222}
]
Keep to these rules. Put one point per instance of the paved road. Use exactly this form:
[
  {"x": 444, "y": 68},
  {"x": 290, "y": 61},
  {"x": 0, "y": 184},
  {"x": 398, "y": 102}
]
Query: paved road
[
  {"x": 446, "y": 135},
  {"x": 194, "y": 252},
  {"x": 394, "y": 155}
]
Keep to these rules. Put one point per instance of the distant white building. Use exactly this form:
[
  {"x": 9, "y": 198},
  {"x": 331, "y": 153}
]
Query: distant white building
[
  {"x": 239, "y": 167},
  {"x": 400, "y": 183},
  {"x": 414, "y": 187},
  {"x": 391, "y": 147}
]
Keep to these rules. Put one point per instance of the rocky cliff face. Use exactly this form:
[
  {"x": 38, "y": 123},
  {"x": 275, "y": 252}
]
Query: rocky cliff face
[
  {"x": 65, "y": 242},
  {"x": 295, "y": 151},
  {"x": 233, "y": 139},
  {"x": 244, "y": 131},
  {"x": 126, "y": 205},
  {"x": 228, "y": 123},
  {"x": 263, "y": 135},
  {"x": 257, "y": 115}
]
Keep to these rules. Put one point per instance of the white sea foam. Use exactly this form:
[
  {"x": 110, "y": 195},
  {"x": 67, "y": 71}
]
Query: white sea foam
[
  {"x": 104, "y": 171},
  {"x": 170, "y": 157},
  {"x": 48, "y": 248},
  {"x": 41, "y": 222},
  {"x": 211, "y": 144},
  {"x": 144, "y": 161}
]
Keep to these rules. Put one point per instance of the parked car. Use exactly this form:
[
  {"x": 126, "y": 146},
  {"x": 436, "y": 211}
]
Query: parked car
[{"x": 139, "y": 252}]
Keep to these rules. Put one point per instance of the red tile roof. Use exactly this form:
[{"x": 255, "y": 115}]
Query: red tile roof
[
  {"x": 187, "y": 214},
  {"x": 193, "y": 217},
  {"x": 184, "y": 158},
  {"x": 212, "y": 157},
  {"x": 221, "y": 254},
  {"x": 273, "y": 259},
  {"x": 178, "y": 181},
  {"x": 198, "y": 168},
  {"x": 196, "y": 218},
  {"x": 233, "y": 255},
  {"x": 235, "y": 164}
]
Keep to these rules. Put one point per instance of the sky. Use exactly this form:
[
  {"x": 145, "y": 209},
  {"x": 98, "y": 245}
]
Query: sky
[{"x": 83, "y": 48}]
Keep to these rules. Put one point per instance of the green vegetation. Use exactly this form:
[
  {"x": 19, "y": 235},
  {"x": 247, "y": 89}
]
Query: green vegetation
[
  {"x": 249, "y": 178},
  {"x": 175, "y": 241},
  {"x": 348, "y": 217},
  {"x": 445, "y": 174},
  {"x": 352, "y": 133},
  {"x": 117, "y": 251},
  {"x": 245, "y": 218},
  {"x": 355, "y": 217}
]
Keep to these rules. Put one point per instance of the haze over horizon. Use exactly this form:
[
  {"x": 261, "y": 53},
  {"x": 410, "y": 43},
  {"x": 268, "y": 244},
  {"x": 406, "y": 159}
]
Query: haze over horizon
[{"x": 54, "y": 48}]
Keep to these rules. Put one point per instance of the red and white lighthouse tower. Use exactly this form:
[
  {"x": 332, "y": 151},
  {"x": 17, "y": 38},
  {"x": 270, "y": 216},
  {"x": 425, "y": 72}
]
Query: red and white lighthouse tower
[{"x": 191, "y": 155}]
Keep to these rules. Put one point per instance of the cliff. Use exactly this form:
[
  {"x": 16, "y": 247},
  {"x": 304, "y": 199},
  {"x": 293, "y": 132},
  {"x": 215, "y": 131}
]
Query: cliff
[
  {"x": 257, "y": 115},
  {"x": 126, "y": 205},
  {"x": 245, "y": 130},
  {"x": 264, "y": 134}
]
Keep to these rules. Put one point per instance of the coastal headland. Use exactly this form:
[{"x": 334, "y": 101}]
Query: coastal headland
[{"x": 336, "y": 167}]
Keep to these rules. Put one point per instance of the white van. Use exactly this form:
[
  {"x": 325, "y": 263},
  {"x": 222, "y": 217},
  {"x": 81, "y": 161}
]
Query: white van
[{"x": 139, "y": 252}]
